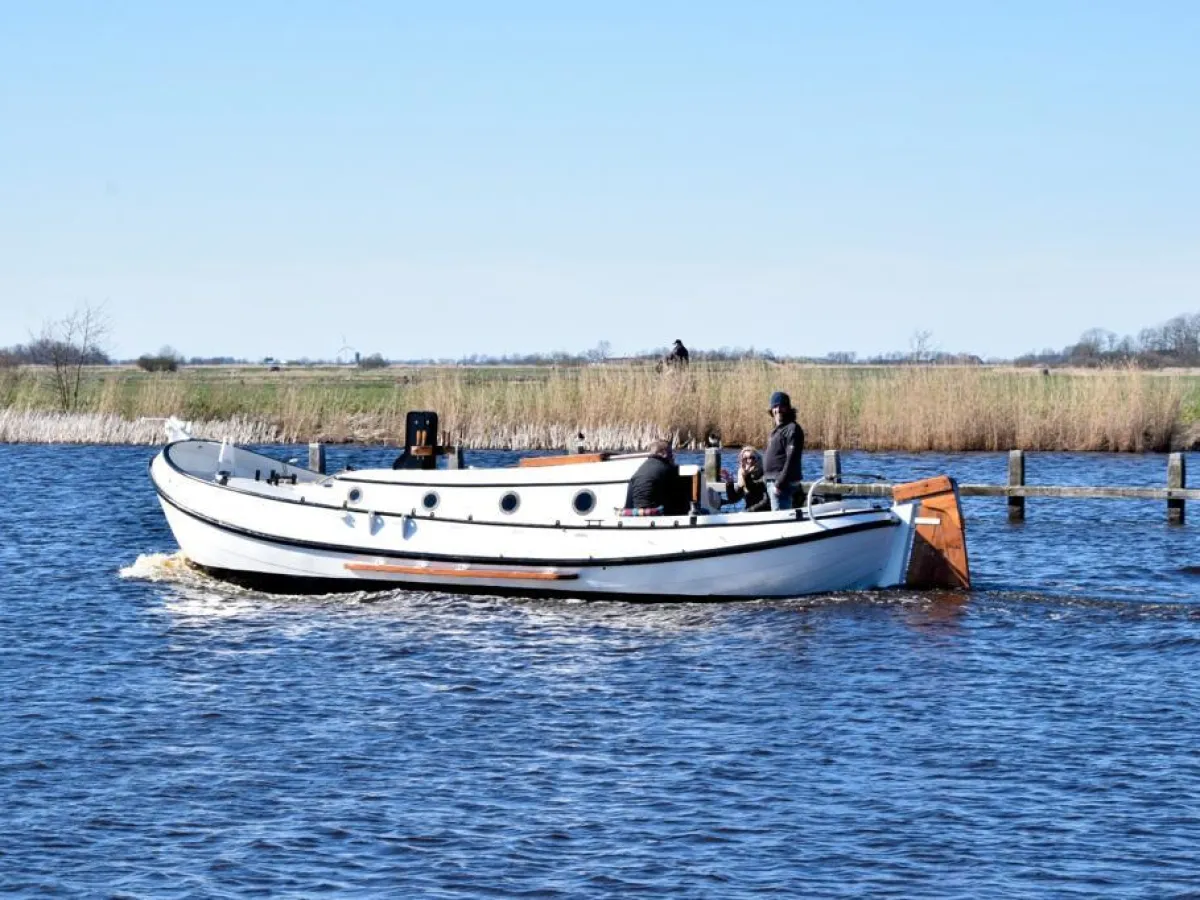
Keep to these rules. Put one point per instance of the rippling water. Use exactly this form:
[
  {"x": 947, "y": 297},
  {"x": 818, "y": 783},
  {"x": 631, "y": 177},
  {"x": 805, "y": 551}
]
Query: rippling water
[{"x": 165, "y": 735}]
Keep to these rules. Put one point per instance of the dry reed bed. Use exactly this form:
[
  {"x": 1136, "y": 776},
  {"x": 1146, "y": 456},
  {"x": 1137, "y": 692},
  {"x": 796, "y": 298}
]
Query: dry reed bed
[
  {"x": 901, "y": 408},
  {"x": 42, "y": 427}
]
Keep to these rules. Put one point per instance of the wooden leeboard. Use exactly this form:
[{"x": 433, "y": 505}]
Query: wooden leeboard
[{"x": 939, "y": 551}]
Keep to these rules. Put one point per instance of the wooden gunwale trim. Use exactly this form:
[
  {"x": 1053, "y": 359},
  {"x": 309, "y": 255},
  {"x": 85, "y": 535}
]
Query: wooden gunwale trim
[{"x": 531, "y": 462}]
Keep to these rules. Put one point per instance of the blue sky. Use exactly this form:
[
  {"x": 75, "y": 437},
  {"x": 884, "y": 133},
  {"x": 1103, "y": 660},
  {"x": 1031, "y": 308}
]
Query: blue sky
[{"x": 412, "y": 179}]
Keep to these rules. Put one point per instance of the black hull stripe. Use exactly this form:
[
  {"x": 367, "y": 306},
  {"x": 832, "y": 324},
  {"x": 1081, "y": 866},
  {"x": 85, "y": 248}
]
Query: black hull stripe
[
  {"x": 298, "y": 584},
  {"x": 609, "y": 562},
  {"x": 421, "y": 514}
]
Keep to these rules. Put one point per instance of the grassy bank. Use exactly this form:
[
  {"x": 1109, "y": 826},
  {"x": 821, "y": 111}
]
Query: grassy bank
[{"x": 886, "y": 408}]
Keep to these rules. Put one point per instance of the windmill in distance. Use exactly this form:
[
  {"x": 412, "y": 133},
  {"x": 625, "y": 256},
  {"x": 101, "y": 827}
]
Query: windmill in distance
[{"x": 347, "y": 355}]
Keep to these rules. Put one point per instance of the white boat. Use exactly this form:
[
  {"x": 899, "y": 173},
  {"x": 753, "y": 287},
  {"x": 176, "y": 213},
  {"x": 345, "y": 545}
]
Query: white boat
[{"x": 547, "y": 527}]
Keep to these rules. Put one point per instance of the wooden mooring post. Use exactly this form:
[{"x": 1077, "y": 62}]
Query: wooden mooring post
[
  {"x": 316, "y": 457},
  {"x": 831, "y": 465},
  {"x": 1016, "y": 478},
  {"x": 1177, "y": 480},
  {"x": 712, "y": 464}
]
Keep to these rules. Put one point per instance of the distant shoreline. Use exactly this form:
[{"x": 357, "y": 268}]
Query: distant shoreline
[{"x": 900, "y": 408}]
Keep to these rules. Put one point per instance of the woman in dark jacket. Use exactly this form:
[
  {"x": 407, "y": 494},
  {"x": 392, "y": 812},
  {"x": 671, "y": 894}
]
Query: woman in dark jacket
[{"x": 749, "y": 484}]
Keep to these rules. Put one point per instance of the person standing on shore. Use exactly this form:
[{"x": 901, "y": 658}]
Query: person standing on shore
[{"x": 781, "y": 459}]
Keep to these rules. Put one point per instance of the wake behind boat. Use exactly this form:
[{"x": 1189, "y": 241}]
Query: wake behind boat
[{"x": 546, "y": 527}]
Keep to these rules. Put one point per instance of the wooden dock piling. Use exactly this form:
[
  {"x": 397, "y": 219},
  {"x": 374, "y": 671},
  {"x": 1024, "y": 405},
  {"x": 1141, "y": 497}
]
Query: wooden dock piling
[
  {"x": 712, "y": 464},
  {"x": 316, "y": 457},
  {"x": 1016, "y": 478},
  {"x": 1176, "y": 480},
  {"x": 831, "y": 465}
]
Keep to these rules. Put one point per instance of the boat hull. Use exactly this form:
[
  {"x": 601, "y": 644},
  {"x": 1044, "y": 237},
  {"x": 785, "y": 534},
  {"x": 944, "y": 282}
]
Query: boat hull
[{"x": 296, "y": 530}]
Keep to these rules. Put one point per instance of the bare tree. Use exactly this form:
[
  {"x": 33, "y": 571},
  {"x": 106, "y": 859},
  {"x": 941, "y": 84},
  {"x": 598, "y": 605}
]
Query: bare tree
[
  {"x": 599, "y": 353},
  {"x": 69, "y": 344},
  {"x": 922, "y": 346}
]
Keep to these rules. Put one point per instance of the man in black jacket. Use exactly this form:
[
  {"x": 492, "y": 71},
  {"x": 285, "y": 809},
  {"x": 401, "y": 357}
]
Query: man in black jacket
[
  {"x": 781, "y": 459},
  {"x": 656, "y": 483}
]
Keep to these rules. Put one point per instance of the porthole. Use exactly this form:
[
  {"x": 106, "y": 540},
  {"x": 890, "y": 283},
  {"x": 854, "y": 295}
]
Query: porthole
[
  {"x": 354, "y": 496},
  {"x": 509, "y": 502},
  {"x": 584, "y": 502},
  {"x": 430, "y": 501}
]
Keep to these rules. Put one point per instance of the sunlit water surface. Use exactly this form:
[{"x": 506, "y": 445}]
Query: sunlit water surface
[{"x": 166, "y": 735}]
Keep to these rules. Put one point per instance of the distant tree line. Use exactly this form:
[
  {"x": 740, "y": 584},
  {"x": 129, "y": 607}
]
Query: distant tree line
[
  {"x": 46, "y": 351},
  {"x": 76, "y": 341},
  {"x": 1175, "y": 343}
]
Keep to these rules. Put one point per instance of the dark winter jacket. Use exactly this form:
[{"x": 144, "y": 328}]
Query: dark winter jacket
[
  {"x": 755, "y": 495},
  {"x": 781, "y": 459},
  {"x": 656, "y": 483}
]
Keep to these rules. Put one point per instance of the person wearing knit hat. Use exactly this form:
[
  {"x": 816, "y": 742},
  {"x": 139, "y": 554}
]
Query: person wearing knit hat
[{"x": 781, "y": 459}]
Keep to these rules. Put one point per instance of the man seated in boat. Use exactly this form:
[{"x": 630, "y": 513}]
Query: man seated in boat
[{"x": 654, "y": 488}]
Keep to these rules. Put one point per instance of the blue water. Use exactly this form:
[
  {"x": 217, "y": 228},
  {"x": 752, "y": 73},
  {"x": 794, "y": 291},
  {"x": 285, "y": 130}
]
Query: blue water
[{"x": 165, "y": 735}]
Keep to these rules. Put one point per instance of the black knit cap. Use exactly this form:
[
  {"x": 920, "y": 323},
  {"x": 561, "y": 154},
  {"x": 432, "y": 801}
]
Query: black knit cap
[{"x": 779, "y": 398}]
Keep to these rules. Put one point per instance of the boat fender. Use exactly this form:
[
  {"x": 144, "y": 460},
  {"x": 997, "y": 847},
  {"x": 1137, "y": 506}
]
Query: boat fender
[
  {"x": 257, "y": 474},
  {"x": 222, "y": 478}
]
